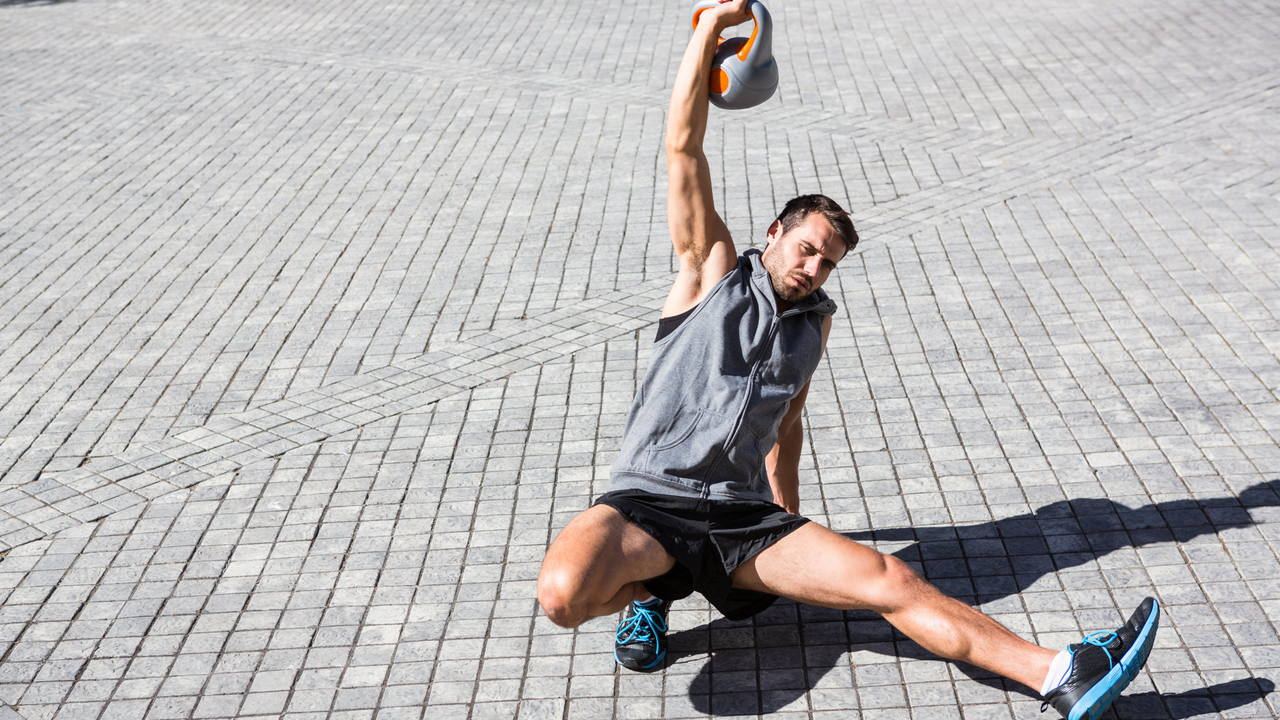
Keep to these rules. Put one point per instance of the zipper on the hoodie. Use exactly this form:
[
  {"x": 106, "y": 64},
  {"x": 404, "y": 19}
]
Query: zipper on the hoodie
[{"x": 752, "y": 381}]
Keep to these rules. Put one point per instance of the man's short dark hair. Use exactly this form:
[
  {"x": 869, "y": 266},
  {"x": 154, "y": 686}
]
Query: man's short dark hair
[{"x": 797, "y": 209}]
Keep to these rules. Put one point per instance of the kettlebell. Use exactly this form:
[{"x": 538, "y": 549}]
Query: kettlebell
[{"x": 743, "y": 73}]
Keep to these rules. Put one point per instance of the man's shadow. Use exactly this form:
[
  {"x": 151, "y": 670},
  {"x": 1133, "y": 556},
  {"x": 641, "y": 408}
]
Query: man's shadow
[{"x": 765, "y": 664}]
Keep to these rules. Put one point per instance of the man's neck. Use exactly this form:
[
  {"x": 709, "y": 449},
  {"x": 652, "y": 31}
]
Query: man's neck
[{"x": 783, "y": 305}]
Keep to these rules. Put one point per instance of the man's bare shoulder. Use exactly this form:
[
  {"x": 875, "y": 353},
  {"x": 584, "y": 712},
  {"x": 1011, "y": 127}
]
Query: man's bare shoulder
[{"x": 698, "y": 275}]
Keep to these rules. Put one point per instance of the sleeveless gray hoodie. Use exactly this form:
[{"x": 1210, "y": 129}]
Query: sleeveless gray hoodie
[{"x": 709, "y": 407}]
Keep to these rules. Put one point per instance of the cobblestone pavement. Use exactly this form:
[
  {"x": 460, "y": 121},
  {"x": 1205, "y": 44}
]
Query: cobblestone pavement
[{"x": 318, "y": 319}]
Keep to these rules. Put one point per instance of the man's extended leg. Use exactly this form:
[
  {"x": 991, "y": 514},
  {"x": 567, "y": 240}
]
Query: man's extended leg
[
  {"x": 596, "y": 566},
  {"x": 816, "y": 566}
]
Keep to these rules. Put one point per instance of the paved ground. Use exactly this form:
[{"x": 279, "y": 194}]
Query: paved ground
[{"x": 317, "y": 321}]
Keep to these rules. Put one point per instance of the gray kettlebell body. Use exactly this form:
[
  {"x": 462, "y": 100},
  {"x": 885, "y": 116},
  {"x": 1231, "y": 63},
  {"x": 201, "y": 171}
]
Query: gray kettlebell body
[{"x": 743, "y": 71}]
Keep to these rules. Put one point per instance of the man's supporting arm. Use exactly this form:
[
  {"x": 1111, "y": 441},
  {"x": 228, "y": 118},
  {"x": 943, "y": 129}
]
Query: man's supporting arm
[
  {"x": 783, "y": 461},
  {"x": 701, "y": 240}
]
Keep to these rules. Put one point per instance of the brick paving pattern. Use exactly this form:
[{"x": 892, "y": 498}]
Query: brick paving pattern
[{"x": 318, "y": 320}]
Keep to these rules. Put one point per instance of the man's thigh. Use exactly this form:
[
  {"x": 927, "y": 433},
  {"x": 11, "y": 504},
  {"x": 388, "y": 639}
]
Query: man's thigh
[
  {"x": 599, "y": 551},
  {"x": 816, "y": 566}
]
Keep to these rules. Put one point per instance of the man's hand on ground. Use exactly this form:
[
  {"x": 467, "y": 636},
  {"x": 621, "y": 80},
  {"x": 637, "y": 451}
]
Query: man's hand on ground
[{"x": 789, "y": 501}]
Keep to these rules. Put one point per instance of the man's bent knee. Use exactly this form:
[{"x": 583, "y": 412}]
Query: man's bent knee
[
  {"x": 559, "y": 595},
  {"x": 592, "y": 567}
]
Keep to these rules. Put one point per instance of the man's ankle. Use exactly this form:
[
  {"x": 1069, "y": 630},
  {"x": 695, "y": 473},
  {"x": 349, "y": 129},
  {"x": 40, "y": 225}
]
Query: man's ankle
[{"x": 1059, "y": 669}]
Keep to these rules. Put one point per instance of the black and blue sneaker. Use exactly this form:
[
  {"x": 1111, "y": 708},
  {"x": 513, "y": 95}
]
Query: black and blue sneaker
[
  {"x": 1104, "y": 664},
  {"x": 641, "y": 642}
]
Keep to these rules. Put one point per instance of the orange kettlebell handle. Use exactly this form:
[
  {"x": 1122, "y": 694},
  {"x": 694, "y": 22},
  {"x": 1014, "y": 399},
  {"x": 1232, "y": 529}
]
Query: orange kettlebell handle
[{"x": 745, "y": 49}]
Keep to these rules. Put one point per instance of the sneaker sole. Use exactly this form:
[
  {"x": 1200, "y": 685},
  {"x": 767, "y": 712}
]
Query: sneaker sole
[
  {"x": 642, "y": 668},
  {"x": 1105, "y": 691}
]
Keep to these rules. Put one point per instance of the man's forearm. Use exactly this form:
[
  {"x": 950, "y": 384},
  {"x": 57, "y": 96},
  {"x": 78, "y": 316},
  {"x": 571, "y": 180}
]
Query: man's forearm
[
  {"x": 687, "y": 119},
  {"x": 699, "y": 236},
  {"x": 783, "y": 463}
]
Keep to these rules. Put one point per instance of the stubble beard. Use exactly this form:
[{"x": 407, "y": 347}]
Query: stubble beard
[
  {"x": 778, "y": 279},
  {"x": 786, "y": 292}
]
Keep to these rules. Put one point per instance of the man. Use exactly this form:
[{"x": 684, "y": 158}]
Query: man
[{"x": 704, "y": 492}]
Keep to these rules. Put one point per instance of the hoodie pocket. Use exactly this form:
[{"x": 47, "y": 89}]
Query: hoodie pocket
[{"x": 691, "y": 446}]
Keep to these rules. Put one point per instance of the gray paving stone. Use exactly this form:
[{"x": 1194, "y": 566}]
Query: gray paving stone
[{"x": 319, "y": 321}]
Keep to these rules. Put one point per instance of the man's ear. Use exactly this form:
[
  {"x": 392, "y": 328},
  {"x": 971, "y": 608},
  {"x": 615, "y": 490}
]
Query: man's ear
[{"x": 775, "y": 230}]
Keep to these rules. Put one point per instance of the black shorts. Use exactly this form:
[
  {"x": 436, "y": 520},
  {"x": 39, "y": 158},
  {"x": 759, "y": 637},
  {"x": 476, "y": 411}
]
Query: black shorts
[{"x": 709, "y": 540}]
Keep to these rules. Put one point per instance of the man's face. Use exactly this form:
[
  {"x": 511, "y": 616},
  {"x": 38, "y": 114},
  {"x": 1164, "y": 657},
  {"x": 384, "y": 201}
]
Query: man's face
[{"x": 799, "y": 261}]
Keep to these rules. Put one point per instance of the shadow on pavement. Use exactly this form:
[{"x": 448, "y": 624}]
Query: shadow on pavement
[
  {"x": 14, "y": 3},
  {"x": 764, "y": 664},
  {"x": 994, "y": 560},
  {"x": 1194, "y": 703}
]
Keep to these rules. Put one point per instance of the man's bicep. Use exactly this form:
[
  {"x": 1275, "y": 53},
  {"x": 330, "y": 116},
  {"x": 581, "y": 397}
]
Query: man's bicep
[
  {"x": 702, "y": 242},
  {"x": 792, "y": 417},
  {"x": 797, "y": 403},
  {"x": 695, "y": 226}
]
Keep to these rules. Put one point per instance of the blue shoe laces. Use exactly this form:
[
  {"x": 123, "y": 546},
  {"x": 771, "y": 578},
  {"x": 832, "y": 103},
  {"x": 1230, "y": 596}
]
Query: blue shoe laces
[
  {"x": 641, "y": 626},
  {"x": 1102, "y": 639}
]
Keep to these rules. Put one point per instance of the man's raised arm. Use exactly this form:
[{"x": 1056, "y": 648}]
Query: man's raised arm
[{"x": 701, "y": 239}]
